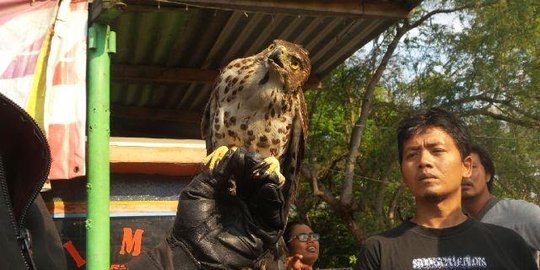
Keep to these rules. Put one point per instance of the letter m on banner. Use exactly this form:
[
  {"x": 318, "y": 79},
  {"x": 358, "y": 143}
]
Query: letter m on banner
[{"x": 131, "y": 242}]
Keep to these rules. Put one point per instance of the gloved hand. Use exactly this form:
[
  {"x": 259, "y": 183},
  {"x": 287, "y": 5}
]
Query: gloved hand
[{"x": 215, "y": 230}]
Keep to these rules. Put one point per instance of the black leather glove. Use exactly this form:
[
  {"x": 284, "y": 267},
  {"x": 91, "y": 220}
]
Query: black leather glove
[{"x": 218, "y": 231}]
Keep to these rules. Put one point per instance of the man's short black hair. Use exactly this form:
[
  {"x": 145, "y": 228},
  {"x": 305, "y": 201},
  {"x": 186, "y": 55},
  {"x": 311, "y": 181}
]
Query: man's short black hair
[
  {"x": 434, "y": 117},
  {"x": 486, "y": 161}
]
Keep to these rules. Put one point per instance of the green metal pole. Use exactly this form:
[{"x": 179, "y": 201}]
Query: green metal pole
[{"x": 101, "y": 43}]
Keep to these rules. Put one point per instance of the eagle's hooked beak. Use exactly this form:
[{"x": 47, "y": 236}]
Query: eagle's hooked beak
[{"x": 275, "y": 56}]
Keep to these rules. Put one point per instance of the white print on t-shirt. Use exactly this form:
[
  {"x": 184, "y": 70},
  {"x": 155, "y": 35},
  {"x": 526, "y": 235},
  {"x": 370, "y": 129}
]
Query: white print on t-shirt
[{"x": 450, "y": 262}]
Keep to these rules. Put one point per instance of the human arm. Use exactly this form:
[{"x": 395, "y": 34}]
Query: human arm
[
  {"x": 370, "y": 255},
  {"x": 295, "y": 263},
  {"x": 518, "y": 215},
  {"x": 529, "y": 227},
  {"x": 214, "y": 230}
]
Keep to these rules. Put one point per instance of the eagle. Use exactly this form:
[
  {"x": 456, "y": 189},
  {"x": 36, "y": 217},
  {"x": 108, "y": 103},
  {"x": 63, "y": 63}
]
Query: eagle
[{"x": 258, "y": 103}]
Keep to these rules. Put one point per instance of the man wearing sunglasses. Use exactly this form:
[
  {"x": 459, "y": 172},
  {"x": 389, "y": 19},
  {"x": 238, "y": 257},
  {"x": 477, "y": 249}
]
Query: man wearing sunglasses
[{"x": 302, "y": 245}]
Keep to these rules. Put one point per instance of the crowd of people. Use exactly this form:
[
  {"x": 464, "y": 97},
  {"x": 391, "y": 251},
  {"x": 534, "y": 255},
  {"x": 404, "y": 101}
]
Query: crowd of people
[{"x": 457, "y": 224}]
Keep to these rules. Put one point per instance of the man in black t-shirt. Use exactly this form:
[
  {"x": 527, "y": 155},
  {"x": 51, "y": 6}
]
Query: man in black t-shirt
[{"x": 434, "y": 149}]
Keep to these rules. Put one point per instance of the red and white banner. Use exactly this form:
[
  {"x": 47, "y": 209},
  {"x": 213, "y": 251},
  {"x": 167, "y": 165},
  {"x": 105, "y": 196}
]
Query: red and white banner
[{"x": 43, "y": 69}]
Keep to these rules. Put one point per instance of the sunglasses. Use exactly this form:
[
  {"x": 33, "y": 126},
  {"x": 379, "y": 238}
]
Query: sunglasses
[{"x": 304, "y": 236}]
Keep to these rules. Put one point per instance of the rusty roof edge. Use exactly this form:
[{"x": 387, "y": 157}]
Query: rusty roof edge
[{"x": 383, "y": 9}]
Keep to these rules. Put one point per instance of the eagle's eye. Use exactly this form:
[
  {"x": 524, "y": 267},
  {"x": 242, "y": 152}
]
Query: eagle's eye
[
  {"x": 295, "y": 64},
  {"x": 271, "y": 47}
]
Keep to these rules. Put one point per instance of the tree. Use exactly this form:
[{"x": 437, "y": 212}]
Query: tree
[{"x": 351, "y": 170}]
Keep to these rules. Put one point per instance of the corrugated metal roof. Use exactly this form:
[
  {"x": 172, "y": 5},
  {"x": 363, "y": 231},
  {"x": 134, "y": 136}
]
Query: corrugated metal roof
[{"x": 156, "y": 44}]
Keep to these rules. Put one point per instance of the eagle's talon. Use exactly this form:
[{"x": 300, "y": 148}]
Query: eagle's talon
[
  {"x": 281, "y": 179},
  {"x": 212, "y": 160},
  {"x": 274, "y": 167}
]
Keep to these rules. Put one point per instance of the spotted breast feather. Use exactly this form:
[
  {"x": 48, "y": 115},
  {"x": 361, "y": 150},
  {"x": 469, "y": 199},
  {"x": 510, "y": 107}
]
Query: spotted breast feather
[{"x": 258, "y": 103}]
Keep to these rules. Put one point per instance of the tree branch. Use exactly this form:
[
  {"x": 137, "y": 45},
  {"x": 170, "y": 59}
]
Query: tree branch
[
  {"x": 514, "y": 120},
  {"x": 535, "y": 119},
  {"x": 435, "y": 12},
  {"x": 318, "y": 190},
  {"x": 394, "y": 202},
  {"x": 356, "y": 136}
]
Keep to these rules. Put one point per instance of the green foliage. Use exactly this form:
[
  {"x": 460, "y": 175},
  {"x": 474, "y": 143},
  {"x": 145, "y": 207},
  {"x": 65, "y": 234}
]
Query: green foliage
[
  {"x": 336, "y": 245},
  {"x": 515, "y": 152},
  {"x": 487, "y": 70}
]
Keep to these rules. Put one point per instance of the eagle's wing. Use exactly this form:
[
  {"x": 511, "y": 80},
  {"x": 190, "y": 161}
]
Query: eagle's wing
[
  {"x": 207, "y": 120},
  {"x": 293, "y": 157},
  {"x": 304, "y": 122},
  {"x": 300, "y": 130}
]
